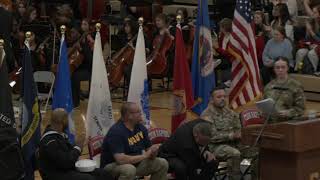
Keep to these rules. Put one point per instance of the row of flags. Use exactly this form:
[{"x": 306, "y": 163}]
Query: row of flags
[{"x": 191, "y": 90}]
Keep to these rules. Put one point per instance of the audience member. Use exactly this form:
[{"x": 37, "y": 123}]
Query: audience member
[
  {"x": 282, "y": 18},
  {"x": 309, "y": 5},
  {"x": 279, "y": 45},
  {"x": 57, "y": 156},
  {"x": 261, "y": 30},
  {"x": 187, "y": 152},
  {"x": 127, "y": 151},
  {"x": 308, "y": 47}
]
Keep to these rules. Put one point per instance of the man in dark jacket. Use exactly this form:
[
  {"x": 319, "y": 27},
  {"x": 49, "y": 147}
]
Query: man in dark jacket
[
  {"x": 187, "y": 153},
  {"x": 57, "y": 157}
]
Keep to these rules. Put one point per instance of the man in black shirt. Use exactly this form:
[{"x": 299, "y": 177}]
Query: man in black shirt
[
  {"x": 57, "y": 156},
  {"x": 187, "y": 152}
]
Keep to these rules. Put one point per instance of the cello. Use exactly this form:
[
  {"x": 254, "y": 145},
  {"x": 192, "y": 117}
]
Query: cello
[
  {"x": 157, "y": 61},
  {"x": 118, "y": 62}
]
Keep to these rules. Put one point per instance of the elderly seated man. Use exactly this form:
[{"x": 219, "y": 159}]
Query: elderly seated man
[
  {"x": 57, "y": 157},
  {"x": 127, "y": 151}
]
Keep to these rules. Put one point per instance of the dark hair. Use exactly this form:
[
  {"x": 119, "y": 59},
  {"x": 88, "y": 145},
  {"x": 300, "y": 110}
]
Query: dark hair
[
  {"x": 217, "y": 88},
  {"x": 203, "y": 128},
  {"x": 162, "y": 17},
  {"x": 133, "y": 26},
  {"x": 284, "y": 13},
  {"x": 184, "y": 12},
  {"x": 282, "y": 58}
]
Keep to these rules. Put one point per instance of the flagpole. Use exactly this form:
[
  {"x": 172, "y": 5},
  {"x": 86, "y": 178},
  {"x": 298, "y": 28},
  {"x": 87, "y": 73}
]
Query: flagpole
[{"x": 1, "y": 51}]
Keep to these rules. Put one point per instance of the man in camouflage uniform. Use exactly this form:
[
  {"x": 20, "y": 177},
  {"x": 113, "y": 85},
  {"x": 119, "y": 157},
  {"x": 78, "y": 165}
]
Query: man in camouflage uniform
[
  {"x": 226, "y": 129},
  {"x": 286, "y": 92}
]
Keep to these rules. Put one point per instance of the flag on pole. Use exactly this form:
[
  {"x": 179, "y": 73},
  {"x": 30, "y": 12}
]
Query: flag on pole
[
  {"x": 138, "y": 88},
  {"x": 62, "y": 97},
  {"x": 99, "y": 114},
  {"x": 245, "y": 86},
  {"x": 31, "y": 117},
  {"x": 182, "y": 87},
  {"x": 203, "y": 77}
]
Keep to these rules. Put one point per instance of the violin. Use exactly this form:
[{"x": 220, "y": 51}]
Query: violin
[
  {"x": 157, "y": 61},
  {"x": 119, "y": 60}
]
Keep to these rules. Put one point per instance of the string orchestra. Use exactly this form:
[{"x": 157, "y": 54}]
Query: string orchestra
[{"x": 159, "y": 31}]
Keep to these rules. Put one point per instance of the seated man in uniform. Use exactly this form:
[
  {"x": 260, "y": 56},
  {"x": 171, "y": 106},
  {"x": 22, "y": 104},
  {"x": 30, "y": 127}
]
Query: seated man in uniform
[
  {"x": 127, "y": 151},
  {"x": 57, "y": 157},
  {"x": 187, "y": 152},
  {"x": 226, "y": 128}
]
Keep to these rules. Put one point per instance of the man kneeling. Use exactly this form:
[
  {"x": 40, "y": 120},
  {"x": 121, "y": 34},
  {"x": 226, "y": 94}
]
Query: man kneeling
[
  {"x": 187, "y": 152},
  {"x": 127, "y": 151}
]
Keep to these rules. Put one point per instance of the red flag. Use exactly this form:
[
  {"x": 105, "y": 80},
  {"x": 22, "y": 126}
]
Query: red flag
[{"x": 182, "y": 87}]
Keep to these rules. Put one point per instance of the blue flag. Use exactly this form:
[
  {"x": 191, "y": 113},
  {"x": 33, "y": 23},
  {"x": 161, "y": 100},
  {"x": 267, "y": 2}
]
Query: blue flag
[
  {"x": 62, "y": 97},
  {"x": 31, "y": 117},
  {"x": 203, "y": 78}
]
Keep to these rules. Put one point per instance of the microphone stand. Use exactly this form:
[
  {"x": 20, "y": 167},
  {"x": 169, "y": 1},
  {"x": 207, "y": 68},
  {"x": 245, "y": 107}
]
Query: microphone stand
[{"x": 262, "y": 130}]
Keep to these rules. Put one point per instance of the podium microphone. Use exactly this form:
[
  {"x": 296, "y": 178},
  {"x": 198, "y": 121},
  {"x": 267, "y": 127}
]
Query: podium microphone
[{"x": 269, "y": 115}]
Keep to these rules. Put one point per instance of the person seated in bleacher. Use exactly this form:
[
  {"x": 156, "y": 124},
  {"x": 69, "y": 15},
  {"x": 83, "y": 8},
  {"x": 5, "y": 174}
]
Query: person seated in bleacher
[
  {"x": 187, "y": 151},
  {"x": 282, "y": 18},
  {"x": 309, "y": 5},
  {"x": 57, "y": 156},
  {"x": 292, "y": 6},
  {"x": 286, "y": 92},
  {"x": 226, "y": 128},
  {"x": 127, "y": 151},
  {"x": 279, "y": 45},
  {"x": 308, "y": 47},
  {"x": 261, "y": 30}
]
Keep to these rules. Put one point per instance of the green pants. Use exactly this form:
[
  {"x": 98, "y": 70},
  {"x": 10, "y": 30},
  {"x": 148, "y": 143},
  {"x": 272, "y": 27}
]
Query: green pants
[{"x": 233, "y": 155}]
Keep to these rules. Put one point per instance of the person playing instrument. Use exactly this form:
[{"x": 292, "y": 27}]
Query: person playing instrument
[
  {"x": 162, "y": 43},
  {"x": 5, "y": 30},
  {"x": 286, "y": 92},
  {"x": 128, "y": 36},
  {"x": 83, "y": 54},
  {"x": 31, "y": 16}
]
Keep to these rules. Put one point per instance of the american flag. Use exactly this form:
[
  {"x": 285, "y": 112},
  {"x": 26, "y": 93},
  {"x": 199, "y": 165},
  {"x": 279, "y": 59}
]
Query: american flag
[{"x": 246, "y": 86}]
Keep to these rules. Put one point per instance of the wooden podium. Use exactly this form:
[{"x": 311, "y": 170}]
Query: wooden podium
[{"x": 288, "y": 151}]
